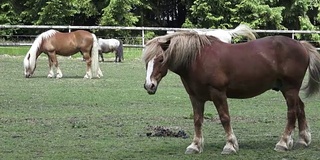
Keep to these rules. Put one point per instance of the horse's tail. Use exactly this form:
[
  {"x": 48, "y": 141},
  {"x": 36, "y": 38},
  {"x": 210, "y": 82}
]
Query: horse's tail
[
  {"x": 120, "y": 50},
  {"x": 243, "y": 30},
  {"x": 95, "y": 57},
  {"x": 313, "y": 85}
]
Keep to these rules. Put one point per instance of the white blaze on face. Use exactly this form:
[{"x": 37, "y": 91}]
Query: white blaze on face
[{"x": 149, "y": 71}]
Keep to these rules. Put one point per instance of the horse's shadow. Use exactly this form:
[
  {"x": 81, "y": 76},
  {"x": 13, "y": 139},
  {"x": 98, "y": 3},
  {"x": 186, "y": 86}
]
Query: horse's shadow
[
  {"x": 64, "y": 77},
  {"x": 109, "y": 61}
]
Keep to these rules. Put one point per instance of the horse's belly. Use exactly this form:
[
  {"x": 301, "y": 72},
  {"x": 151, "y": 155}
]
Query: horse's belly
[
  {"x": 67, "y": 52},
  {"x": 249, "y": 90}
]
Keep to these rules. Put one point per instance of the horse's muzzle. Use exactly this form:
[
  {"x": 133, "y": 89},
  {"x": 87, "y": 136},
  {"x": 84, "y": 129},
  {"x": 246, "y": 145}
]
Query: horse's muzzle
[
  {"x": 151, "y": 88},
  {"x": 27, "y": 75}
]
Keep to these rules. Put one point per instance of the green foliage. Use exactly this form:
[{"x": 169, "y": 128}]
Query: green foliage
[
  {"x": 116, "y": 13},
  {"x": 225, "y": 14},
  {"x": 56, "y": 12},
  {"x": 7, "y": 16},
  {"x": 210, "y": 13},
  {"x": 258, "y": 15},
  {"x": 307, "y": 25}
]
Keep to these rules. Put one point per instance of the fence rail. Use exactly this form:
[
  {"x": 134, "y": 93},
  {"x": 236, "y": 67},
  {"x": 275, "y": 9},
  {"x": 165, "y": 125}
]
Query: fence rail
[{"x": 142, "y": 29}]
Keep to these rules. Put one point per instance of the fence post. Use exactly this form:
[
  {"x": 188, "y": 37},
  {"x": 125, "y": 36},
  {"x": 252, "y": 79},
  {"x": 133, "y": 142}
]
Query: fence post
[
  {"x": 292, "y": 35},
  {"x": 142, "y": 37},
  {"x": 142, "y": 33}
]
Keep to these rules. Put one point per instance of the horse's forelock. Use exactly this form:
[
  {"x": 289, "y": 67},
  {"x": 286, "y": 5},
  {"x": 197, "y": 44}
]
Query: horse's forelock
[
  {"x": 152, "y": 50},
  {"x": 182, "y": 50}
]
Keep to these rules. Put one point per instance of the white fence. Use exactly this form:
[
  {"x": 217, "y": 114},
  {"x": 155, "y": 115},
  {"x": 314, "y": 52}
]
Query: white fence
[{"x": 142, "y": 29}]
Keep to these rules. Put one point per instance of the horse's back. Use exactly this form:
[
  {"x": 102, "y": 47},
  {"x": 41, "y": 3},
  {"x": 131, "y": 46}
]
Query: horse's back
[
  {"x": 69, "y": 43},
  {"x": 108, "y": 45}
]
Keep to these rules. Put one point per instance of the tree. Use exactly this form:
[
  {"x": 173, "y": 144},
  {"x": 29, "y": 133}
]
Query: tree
[
  {"x": 7, "y": 16},
  {"x": 230, "y": 13},
  {"x": 56, "y": 12},
  {"x": 119, "y": 13},
  {"x": 163, "y": 13}
]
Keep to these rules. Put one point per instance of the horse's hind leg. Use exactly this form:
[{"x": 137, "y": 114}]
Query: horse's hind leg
[
  {"x": 51, "y": 73},
  {"x": 304, "y": 133},
  {"x": 87, "y": 58},
  {"x": 294, "y": 105},
  {"x": 116, "y": 55}
]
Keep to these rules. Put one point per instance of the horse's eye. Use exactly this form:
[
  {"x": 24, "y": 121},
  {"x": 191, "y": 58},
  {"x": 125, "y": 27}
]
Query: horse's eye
[{"x": 161, "y": 60}]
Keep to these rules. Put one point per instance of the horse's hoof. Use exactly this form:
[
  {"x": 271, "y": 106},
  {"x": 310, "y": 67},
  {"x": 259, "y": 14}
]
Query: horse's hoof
[
  {"x": 280, "y": 148},
  {"x": 228, "y": 151},
  {"x": 86, "y": 77},
  {"x": 191, "y": 150},
  {"x": 300, "y": 144}
]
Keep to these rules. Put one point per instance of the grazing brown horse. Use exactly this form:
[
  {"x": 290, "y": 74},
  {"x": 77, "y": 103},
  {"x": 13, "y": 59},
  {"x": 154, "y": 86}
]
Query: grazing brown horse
[
  {"x": 54, "y": 43},
  {"x": 211, "y": 70}
]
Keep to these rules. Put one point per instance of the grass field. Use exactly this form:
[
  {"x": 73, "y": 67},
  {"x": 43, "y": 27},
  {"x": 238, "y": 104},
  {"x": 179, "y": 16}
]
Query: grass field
[{"x": 108, "y": 118}]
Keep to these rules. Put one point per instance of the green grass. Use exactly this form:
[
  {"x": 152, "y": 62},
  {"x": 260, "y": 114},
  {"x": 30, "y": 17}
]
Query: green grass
[{"x": 107, "y": 118}]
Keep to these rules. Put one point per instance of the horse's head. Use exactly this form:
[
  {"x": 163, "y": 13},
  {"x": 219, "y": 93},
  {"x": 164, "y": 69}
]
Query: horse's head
[
  {"x": 156, "y": 63},
  {"x": 156, "y": 70},
  {"x": 175, "y": 51},
  {"x": 29, "y": 65}
]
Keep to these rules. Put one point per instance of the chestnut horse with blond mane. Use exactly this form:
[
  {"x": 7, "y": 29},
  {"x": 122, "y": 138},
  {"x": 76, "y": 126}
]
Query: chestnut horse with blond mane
[
  {"x": 54, "y": 43},
  {"x": 212, "y": 70}
]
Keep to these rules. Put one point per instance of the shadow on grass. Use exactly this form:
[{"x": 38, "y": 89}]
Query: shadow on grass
[{"x": 64, "y": 77}]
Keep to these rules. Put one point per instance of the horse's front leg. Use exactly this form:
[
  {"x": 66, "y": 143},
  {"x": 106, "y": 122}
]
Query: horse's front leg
[
  {"x": 54, "y": 61},
  {"x": 198, "y": 142},
  {"x": 220, "y": 101},
  {"x": 101, "y": 55}
]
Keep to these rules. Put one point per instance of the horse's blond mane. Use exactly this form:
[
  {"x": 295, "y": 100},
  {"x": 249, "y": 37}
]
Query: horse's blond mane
[
  {"x": 37, "y": 42},
  {"x": 182, "y": 50}
]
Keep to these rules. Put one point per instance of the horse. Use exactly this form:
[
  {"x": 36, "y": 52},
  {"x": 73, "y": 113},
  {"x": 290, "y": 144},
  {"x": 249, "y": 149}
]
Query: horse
[
  {"x": 53, "y": 42},
  {"x": 212, "y": 70},
  {"x": 111, "y": 45},
  {"x": 227, "y": 35}
]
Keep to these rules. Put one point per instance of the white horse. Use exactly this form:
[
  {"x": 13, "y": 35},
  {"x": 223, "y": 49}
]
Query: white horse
[
  {"x": 111, "y": 45},
  {"x": 227, "y": 35}
]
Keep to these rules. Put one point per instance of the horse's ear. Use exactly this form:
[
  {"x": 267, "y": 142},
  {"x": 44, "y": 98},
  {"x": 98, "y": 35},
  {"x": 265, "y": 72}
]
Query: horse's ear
[{"x": 164, "y": 44}]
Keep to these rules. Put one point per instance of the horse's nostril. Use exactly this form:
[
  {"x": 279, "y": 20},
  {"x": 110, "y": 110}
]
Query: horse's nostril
[{"x": 152, "y": 86}]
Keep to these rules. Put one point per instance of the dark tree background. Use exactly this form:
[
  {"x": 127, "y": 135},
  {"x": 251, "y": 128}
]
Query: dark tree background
[{"x": 258, "y": 14}]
